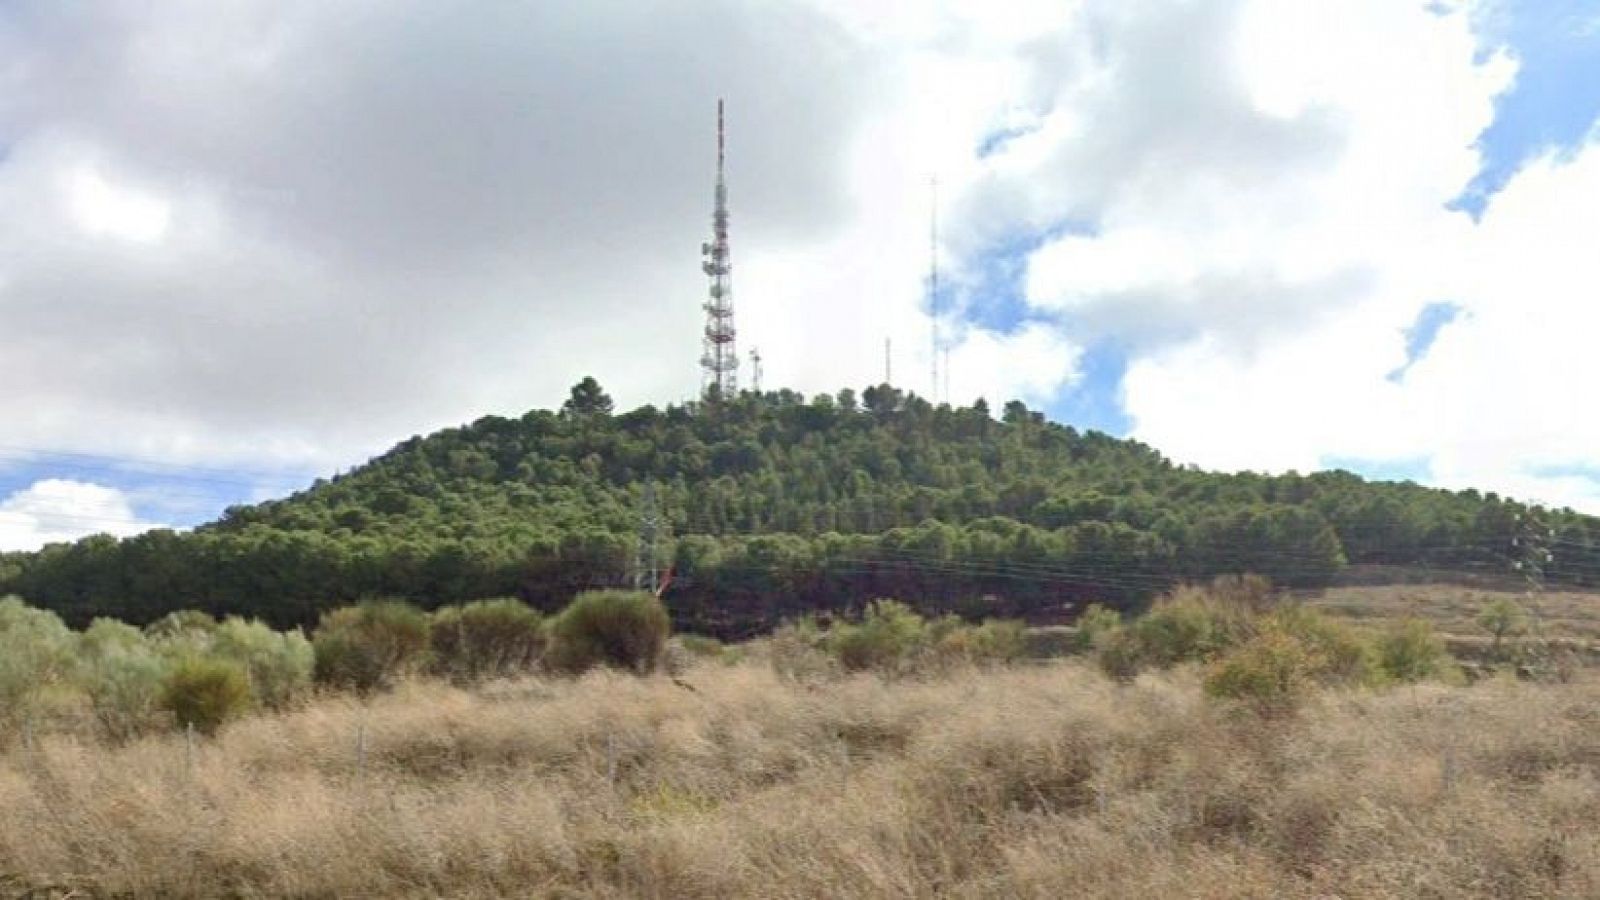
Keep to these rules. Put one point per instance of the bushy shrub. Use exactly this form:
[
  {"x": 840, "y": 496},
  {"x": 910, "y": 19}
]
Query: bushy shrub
[
  {"x": 1194, "y": 624},
  {"x": 365, "y": 647},
  {"x": 487, "y": 638},
  {"x": 884, "y": 640},
  {"x": 1248, "y": 591},
  {"x": 893, "y": 639},
  {"x": 623, "y": 629},
  {"x": 122, "y": 675},
  {"x": 995, "y": 642},
  {"x": 1271, "y": 670},
  {"x": 1119, "y": 653},
  {"x": 1342, "y": 655},
  {"x": 107, "y": 636},
  {"x": 1410, "y": 651},
  {"x": 1234, "y": 620},
  {"x": 1095, "y": 624},
  {"x": 181, "y": 622},
  {"x": 36, "y": 658},
  {"x": 1502, "y": 618},
  {"x": 205, "y": 692},
  {"x": 278, "y": 663}
]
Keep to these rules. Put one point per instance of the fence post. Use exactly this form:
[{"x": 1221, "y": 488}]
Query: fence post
[{"x": 361, "y": 750}]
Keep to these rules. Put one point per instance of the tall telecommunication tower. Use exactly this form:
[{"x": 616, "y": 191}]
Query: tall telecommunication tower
[
  {"x": 933, "y": 278},
  {"x": 719, "y": 360}
]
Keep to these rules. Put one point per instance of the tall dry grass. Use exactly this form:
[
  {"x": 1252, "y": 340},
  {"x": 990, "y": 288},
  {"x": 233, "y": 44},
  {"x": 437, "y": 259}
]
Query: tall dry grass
[{"x": 1039, "y": 782}]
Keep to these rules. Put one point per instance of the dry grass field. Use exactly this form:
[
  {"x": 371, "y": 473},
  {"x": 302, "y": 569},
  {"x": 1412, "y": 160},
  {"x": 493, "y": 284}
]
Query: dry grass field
[
  {"x": 1570, "y": 619},
  {"x": 1036, "y": 781}
]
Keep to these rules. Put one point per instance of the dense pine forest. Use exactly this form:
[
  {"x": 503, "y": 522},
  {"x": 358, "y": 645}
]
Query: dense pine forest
[{"x": 768, "y": 505}]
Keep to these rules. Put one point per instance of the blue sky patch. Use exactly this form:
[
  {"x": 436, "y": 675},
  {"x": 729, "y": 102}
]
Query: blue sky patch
[
  {"x": 1555, "y": 101},
  {"x": 1572, "y": 470},
  {"x": 1423, "y": 332},
  {"x": 996, "y": 299},
  {"x": 1095, "y": 402},
  {"x": 1418, "y": 469},
  {"x": 170, "y": 495}
]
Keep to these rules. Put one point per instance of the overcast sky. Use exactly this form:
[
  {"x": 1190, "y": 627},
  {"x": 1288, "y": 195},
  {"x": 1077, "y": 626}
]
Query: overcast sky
[{"x": 246, "y": 243}]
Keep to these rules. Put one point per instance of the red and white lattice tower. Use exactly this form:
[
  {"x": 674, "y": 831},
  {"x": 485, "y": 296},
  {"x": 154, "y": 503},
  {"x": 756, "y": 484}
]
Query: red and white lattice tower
[{"x": 719, "y": 361}]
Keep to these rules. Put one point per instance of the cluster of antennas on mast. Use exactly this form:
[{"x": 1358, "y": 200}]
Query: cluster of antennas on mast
[{"x": 719, "y": 361}]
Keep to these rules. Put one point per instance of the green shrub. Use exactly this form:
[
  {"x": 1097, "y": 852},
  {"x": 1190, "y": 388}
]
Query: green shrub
[
  {"x": 886, "y": 638},
  {"x": 1193, "y": 623},
  {"x": 1119, "y": 653},
  {"x": 1249, "y": 592},
  {"x": 1410, "y": 651},
  {"x": 623, "y": 629},
  {"x": 1503, "y": 618},
  {"x": 36, "y": 658},
  {"x": 181, "y": 622},
  {"x": 122, "y": 675},
  {"x": 946, "y": 643},
  {"x": 1095, "y": 623},
  {"x": 365, "y": 647},
  {"x": 1190, "y": 625},
  {"x": 1271, "y": 670},
  {"x": 1342, "y": 655},
  {"x": 107, "y": 636},
  {"x": 205, "y": 692},
  {"x": 487, "y": 638},
  {"x": 279, "y": 663},
  {"x": 998, "y": 641}
]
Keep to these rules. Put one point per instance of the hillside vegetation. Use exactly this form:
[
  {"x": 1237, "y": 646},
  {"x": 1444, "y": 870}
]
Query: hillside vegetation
[{"x": 772, "y": 505}]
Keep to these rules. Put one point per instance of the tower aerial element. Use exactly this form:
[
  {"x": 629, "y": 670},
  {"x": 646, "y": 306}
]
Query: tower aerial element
[
  {"x": 719, "y": 359},
  {"x": 933, "y": 281}
]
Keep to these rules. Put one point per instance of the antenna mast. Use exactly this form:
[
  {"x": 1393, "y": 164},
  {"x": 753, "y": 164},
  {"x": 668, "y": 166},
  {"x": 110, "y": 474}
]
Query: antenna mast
[
  {"x": 933, "y": 277},
  {"x": 719, "y": 359},
  {"x": 755, "y": 369}
]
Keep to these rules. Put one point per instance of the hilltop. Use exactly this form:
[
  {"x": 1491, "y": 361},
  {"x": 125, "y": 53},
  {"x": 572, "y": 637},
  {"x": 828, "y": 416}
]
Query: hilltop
[{"x": 774, "y": 504}]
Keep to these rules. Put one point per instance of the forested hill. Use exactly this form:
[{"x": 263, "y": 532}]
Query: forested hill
[{"x": 772, "y": 504}]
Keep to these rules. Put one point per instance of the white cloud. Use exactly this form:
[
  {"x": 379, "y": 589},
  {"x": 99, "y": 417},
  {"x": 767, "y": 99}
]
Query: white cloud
[
  {"x": 1269, "y": 214},
  {"x": 256, "y": 239},
  {"x": 60, "y": 510},
  {"x": 105, "y": 209},
  {"x": 289, "y": 234}
]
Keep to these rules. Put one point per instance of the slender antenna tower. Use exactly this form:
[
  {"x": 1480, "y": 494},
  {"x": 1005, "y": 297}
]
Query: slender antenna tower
[
  {"x": 947, "y": 373},
  {"x": 755, "y": 369},
  {"x": 719, "y": 359},
  {"x": 933, "y": 277},
  {"x": 887, "y": 373}
]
